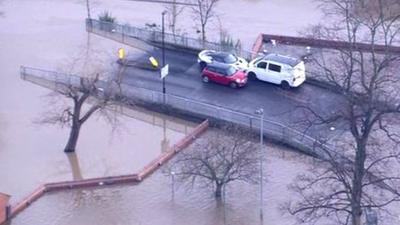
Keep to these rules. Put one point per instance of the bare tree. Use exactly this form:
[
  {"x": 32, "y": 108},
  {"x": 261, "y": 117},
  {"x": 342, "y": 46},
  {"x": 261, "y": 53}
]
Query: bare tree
[
  {"x": 76, "y": 98},
  {"x": 204, "y": 11},
  {"x": 88, "y": 95},
  {"x": 360, "y": 174},
  {"x": 219, "y": 158},
  {"x": 174, "y": 10}
]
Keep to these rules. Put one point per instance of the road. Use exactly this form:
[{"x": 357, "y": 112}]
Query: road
[{"x": 280, "y": 105}]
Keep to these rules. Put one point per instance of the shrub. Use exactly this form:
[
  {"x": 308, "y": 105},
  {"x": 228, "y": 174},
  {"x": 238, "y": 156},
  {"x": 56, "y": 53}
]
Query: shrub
[{"x": 107, "y": 17}]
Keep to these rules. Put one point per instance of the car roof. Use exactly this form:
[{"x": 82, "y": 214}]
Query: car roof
[
  {"x": 219, "y": 65},
  {"x": 282, "y": 59},
  {"x": 223, "y": 54}
]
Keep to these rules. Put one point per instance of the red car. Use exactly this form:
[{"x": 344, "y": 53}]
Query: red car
[{"x": 224, "y": 74}]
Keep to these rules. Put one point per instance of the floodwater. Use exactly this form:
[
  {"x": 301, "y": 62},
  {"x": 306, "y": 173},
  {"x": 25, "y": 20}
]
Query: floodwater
[
  {"x": 35, "y": 34},
  {"x": 46, "y": 34},
  {"x": 151, "y": 202}
]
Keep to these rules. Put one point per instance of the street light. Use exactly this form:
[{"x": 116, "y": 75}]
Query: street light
[
  {"x": 163, "y": 47},
  {"x": 260, "y": 112}
]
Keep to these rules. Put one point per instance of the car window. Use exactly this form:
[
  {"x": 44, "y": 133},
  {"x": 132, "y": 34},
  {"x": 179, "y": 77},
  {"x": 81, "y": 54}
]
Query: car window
[
  {"x": 274, "y": 67},
  {"x": 211, "y": 69},
  {"x": 221, "y": 72},
  {"x": 262, "y": 65},
  {"x": 217, "y": 58},
  {"x": 230, "y": 59},
  {"x": 230, "y": 71}
]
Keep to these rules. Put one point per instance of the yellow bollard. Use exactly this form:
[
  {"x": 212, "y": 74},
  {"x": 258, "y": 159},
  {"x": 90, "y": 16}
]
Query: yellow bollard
[
  {"x": 153, "y": 62},
  {"x": 121, "y": 53}
]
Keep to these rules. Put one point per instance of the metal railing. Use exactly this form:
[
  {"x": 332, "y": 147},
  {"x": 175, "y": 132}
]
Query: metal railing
[
  {"x": 125, "y": 33},
  {"x": 273, "y": 129}
]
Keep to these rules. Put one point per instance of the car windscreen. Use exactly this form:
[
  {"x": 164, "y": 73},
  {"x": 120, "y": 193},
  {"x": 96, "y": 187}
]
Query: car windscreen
[
  {"x": 230, "y": 71},
  {"x": 230, "y": 59}
]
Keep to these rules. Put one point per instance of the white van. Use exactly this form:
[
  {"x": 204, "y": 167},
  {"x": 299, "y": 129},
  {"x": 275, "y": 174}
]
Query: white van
[{"x": 278, "y": 69}]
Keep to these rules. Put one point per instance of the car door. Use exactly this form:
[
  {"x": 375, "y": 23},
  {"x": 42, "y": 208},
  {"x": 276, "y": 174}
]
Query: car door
[
  {"x": 261, "y": 71},
  {"x": 221, "y": 76},
  {"x": 274, "y": 73},
  {"x": 211, "y": 73}
]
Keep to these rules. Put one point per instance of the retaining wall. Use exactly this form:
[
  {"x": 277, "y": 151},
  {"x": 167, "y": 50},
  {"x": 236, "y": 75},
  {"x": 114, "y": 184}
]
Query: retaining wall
[
  {"x": 322, "y": 43},
  {"x": 110, "y": 180}
]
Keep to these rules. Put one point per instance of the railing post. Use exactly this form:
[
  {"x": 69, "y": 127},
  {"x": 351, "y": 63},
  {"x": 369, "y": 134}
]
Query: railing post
[
  {"x": 251, "y": 123},
  {"x": 283, "y": 133},
  {"x": 123, "y": 33},
  {"x": 8, "y": 212},
  {"x": 23, "y": 72}
]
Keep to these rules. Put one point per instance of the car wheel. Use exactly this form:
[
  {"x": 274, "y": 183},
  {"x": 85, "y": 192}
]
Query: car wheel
[
  {"x": 206, "y": 79},
  {"x": 285, "y": 85},
  {"x": 233, "y": 85},
  {"x": 251, "y": 76},
  {"x": 202, "y": 65}
]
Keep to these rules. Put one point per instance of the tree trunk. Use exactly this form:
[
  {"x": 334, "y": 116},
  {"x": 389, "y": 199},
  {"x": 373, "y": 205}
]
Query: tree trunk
[
  {"x": 356, "y": 219},
  {"x": 203, "y": 33},
  {"x": 356, "y": 193},
  {"x": 73, "y": 137},
  {"x": 218, "y": 190}
]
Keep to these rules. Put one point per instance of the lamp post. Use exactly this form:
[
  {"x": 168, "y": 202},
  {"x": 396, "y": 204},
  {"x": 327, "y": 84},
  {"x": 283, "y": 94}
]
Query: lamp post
[
  {"x": 260, "y": 112},
  {"x": 173, "y": 184},
  {"x": 163, "y": 47}
]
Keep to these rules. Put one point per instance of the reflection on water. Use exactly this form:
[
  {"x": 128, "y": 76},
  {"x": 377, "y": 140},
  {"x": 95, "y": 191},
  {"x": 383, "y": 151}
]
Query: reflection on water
[
  {"x": 164, "y": 142},
  {"x": 75, "y": 168}
]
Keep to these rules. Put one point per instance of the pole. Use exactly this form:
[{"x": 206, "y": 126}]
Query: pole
[
  {"x": 173, "y": 184},
  {"x": 8, "y": 212},
  {"x": 261, "y": 112},
  {"x": 163, "y": 50}
]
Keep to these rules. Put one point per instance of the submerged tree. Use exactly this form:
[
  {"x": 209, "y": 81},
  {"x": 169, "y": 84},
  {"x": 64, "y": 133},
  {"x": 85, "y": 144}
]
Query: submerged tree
[
  {"x": 219, "y": 158},
  {"x": 76, "y": 98},
  {"x": 88, "y": 96},
  {"x": 361, "y": 174},
  {"x": 204, "y": 12}
]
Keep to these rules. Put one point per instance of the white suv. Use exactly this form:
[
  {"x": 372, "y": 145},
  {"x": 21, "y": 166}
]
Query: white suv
[{"x": 278, "y": 69}]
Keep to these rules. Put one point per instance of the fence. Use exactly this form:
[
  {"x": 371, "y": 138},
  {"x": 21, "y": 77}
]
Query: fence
[
  {"x": 126, "y": 34},
  {"x": 273, "y": 129}
]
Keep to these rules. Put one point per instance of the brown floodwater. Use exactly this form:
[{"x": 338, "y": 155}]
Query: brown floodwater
[
  {"x": 46, "y": 34},
  {"x": 36, "y": 34},
  {"x": 151, "y": 201}
]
